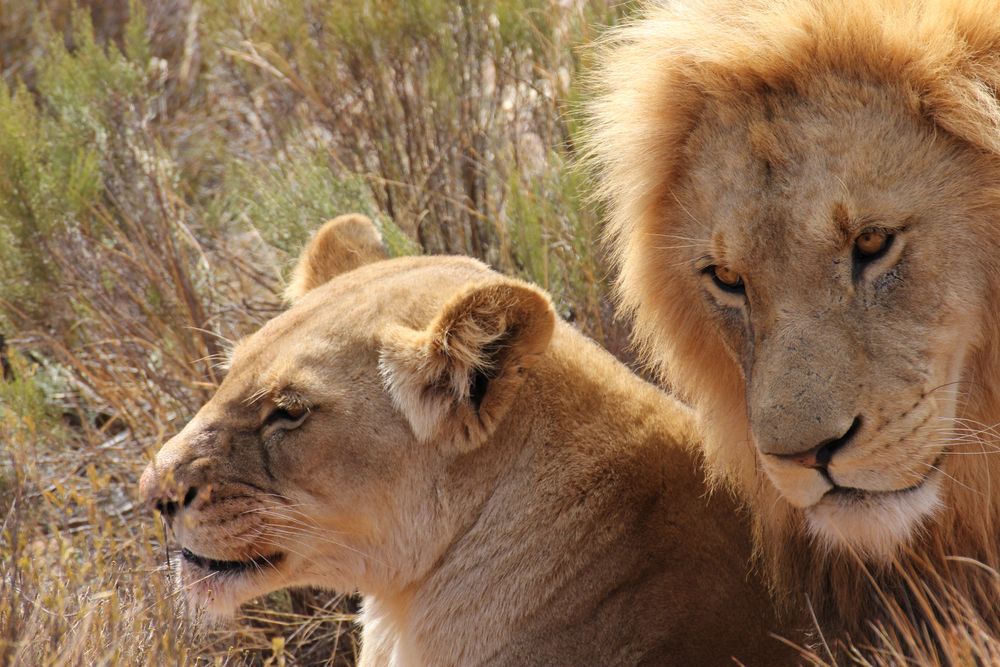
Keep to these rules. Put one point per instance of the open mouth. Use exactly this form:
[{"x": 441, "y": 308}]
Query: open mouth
[{"x": 231, "y": 566}]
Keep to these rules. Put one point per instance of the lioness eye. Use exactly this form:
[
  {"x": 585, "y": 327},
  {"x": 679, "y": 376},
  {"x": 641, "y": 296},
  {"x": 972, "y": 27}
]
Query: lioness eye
[
  {"x": 872, "y": 243},
  {"x": 726, "y": 279},
  {"x": 287, "y": 415}
]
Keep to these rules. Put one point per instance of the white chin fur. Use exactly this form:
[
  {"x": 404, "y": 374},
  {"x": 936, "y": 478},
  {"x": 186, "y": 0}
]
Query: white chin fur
[
  {"x": 873, "y": 527},
  {"x": 212, "y": 598},
  {"x": 214, "y": 609}
]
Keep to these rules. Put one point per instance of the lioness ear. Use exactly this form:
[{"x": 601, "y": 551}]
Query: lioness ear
[
  {"x": 455, "y": 380},
  {"x": 339, "y": 246}
]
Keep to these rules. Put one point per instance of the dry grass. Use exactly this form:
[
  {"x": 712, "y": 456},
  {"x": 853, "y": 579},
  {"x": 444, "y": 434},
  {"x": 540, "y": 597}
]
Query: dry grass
[
  {"x": 157, "y": 172},
  {"x": 927, "y": 620}
]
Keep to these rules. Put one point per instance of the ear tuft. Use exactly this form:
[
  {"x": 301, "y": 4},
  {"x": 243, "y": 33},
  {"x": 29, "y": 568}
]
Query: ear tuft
[
  {"x": 456, "y": 379},
  {"x": 340, "y": 245}
]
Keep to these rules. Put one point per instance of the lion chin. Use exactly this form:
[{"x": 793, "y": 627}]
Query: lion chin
[{"x": 873, "y": 525}]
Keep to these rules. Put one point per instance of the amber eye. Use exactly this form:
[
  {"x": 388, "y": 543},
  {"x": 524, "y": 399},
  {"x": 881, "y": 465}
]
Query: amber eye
[
  {"x": 726, "y": 279},
  {"x": 871, "y": 243}
]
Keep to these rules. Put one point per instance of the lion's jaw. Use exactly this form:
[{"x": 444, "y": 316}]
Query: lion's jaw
[
  {"x": 245, "y": 534},
  {"x": 875, "y": 495},
  {"x": 874, "y": 524},
  {"x": 890, "y": 478}
]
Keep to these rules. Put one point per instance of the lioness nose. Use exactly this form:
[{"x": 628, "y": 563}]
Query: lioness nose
[
  {"x": 148, "y": 484},
  {"x": 168, "y": 505},
  {"x": 820, "y": 455},
  {"x": 165, "y": 498}
]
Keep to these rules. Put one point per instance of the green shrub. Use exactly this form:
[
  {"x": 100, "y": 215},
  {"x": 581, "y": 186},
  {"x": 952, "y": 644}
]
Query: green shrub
[
  {"x": 284, "y": 200},
  {"x": 452, "y": 115}
]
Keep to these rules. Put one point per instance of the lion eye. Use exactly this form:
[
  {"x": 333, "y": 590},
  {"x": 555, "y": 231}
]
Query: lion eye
[
  {"x": 872, "y": 243},
  {"x": 726, "y": 279}
]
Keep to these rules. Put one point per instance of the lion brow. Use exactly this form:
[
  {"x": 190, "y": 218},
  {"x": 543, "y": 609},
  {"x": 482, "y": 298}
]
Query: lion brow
[
  {"x": 289, "y": 398},
  {"x": 284, "y": 397}
]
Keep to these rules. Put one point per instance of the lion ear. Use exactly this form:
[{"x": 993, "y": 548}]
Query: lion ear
[
  {"x": 455, "y": 380},
  {"x": 339, "y": 246}
]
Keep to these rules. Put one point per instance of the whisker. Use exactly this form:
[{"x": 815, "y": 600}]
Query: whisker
[
  {"x": 952, "y": 478},
  {"x": 678, "y": 237},
  {"x": 275, "y": 531},
  {"x": 308, "y": 559}
]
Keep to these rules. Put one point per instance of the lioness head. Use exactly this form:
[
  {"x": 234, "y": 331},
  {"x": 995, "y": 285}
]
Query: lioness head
[
  {"x": 320, "y": 459},
  {"x": 804, "y": 200}
]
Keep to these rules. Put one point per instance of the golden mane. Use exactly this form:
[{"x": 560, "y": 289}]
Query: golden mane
[{"x": 655, "y": 77}]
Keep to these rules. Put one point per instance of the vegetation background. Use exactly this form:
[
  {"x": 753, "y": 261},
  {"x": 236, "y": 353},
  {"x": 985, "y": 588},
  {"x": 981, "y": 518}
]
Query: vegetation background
[{"x": 160, "y": 165}]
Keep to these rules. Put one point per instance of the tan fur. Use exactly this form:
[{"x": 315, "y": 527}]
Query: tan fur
[
  {"x": 500, "y": 490},
  {"x": 764, "y": 136}
]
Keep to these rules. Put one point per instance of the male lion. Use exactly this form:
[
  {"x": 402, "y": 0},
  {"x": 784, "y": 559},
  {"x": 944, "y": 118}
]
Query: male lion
[
  {"x": 501, "y": 490},
  {"x": 805, "y": 210}
]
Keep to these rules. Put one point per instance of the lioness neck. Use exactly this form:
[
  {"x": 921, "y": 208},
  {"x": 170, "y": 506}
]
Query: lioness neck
[{"x": 590, "y": 490}]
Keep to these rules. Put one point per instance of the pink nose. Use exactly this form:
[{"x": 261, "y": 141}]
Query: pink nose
[
  {"x": 819, "y": 456},
  {"x": 808, "y": 459}
]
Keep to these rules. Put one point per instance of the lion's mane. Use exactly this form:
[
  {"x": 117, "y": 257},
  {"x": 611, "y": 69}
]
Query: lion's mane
[{"x": 655, "y": 76}]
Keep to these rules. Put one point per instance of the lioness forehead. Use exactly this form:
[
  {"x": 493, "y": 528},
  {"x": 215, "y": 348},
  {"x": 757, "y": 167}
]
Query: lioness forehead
[{"x": 349, "y": 313}]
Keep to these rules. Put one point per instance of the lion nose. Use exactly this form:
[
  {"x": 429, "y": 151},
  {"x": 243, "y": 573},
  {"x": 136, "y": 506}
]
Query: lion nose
[{"x": 819, "y": 456}]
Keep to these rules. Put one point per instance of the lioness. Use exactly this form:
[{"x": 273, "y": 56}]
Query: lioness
[
  {"x": 805, "y": 209},
  {"x": 500, "y": 490}
]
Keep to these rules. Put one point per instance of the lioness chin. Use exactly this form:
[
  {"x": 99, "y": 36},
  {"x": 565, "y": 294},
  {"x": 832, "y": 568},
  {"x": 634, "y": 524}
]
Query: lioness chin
[{"x": 499, "y": 489}]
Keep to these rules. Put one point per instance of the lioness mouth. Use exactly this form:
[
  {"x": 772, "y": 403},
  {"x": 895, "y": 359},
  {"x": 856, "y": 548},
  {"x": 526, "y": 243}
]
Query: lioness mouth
[{"x": 257, "y": 563}]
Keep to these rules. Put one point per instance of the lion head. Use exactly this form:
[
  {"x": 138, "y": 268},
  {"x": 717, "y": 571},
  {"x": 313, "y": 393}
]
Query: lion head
[
  {"x": 804, "y": 209},
  {"x": 320, "y": 459}
]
